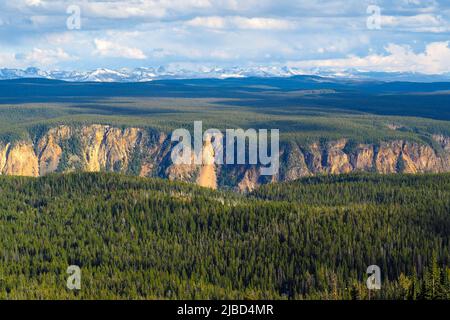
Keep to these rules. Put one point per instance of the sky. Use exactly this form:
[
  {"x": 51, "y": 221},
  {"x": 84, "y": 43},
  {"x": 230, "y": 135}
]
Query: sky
[{"x": 367, "y": 35}]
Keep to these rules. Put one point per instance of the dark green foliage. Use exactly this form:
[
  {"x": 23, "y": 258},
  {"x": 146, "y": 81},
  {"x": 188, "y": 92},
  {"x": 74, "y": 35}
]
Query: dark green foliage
[
  {"x": 149, "y": 238},
  {"x": 37, "y": 131},
  {"x": 135, "y": 165},
  {"x": 303, "y": 109},
  {"x": 350, "y": 147},
  {"x": 71, "y": 146}
]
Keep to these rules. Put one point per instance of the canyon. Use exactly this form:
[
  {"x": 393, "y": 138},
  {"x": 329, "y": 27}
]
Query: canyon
[{"x": 146, "y": 152}]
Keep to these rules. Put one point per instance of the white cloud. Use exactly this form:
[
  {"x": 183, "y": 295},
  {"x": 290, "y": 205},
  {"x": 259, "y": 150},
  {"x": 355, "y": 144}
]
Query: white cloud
[
  {"x": 33, "y": 3},
  {"x": 434, "y": 60},
  {"x": 417, "y": 23},
  {"x": 106, "y": 48},
  {"x": 123, "y": 10},
  {"x": 208, "y": 22},
  {"x": 46, "y": 57},
  {"x": 116, "y": 9},
  {"x": 234, "y": 32},
  {"x": 237, "y": 22},
  {"x": 7, "y": 60},
  {"x": 38, "y": 57}
]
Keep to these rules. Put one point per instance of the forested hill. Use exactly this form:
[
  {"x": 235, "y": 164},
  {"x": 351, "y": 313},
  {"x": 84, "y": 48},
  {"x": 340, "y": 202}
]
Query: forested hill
[
  {"x": 149, "y": 238},
  {"x": 327, "y": 126}
]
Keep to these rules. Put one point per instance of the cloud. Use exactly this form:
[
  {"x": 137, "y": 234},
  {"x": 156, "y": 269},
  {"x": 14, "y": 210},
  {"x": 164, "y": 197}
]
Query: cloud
[
  {"x": 38, "y": 57},
  {"x": 142, "y": 8},
  {"x": 113, "y": 9},
  {"x": 136, "y": 33},
  {"x": 435, "y": 59},
  {"x": 237, "y": 22},
  {"x": 45, "y": 57},
  {"x": 416, "y": 23},
  {"x": 107, "y": 48},
  {"x": 7, "y": 60},
  {"x": 33, "y": 3},
  {"x": 123, "y": 10}
]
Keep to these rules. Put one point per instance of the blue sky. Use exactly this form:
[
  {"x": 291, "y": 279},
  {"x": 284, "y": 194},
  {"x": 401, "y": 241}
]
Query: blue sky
[{"x": 408, "y": 35}]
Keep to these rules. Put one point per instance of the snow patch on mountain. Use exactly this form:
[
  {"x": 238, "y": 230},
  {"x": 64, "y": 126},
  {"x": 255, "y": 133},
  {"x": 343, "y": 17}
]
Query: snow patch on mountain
[{"x": 160, "y": 73}]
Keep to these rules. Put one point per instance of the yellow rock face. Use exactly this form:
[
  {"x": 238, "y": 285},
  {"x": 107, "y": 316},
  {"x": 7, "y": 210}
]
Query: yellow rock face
[
  {"x": 364, "y": 158},
  {"x": 250, "y": 180},
  {"x": 49, "y": 149},
  {"x": 21, "y": 161},
  {"x": 146, "y": 170},
  {"x": 315, "y": 159},
  {"x": 207, "y": 177},
  {"x": 92, "y": 138},
  {"x": 419, "y": 158},
  {"x": 387, "y": 157},
  {"x": 296, "y": 167},
  {"x": 338, "y": 161},
  {"x": 183, "y": 172},
  {"x": 117, "y": 147},
  {"x": 50, "y": 156},
  {"x": 408, "y": 164},
  {"x": 106, "y": 148}
]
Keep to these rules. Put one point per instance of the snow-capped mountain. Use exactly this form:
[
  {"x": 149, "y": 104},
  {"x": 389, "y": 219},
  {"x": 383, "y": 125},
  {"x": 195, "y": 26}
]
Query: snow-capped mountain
[
  {"x": 148, "y": 74},
  {"x": 159, "y": 73}
]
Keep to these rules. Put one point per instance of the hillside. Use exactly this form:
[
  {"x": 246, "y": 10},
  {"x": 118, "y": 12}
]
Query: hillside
[
  {"x": 137, "y": 238},
  {"x": 327, "y": 126},
  {"x": 147, "y": 153}
]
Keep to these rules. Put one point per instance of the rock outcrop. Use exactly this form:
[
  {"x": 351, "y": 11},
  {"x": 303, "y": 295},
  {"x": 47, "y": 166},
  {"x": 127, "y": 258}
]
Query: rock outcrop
[
  {"x": 144, "y": 152},
  {"x": 20, "y": 160}
]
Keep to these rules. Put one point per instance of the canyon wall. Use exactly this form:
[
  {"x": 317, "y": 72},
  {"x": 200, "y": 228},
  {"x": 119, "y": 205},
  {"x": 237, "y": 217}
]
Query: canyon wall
[{"x": 146, "y": 153}]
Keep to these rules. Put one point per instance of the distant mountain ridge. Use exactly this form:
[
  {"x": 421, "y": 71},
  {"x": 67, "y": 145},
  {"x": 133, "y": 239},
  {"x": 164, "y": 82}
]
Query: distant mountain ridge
[{"x": 145, "y": 74}]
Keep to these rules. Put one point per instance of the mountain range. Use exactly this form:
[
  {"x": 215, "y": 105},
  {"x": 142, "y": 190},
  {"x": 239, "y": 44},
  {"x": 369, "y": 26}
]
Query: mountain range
[{"x": 146, "y": 74}]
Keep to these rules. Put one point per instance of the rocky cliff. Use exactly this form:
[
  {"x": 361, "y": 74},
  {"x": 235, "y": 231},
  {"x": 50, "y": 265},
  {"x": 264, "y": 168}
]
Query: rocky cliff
[{"x": 147, "y": 153}]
